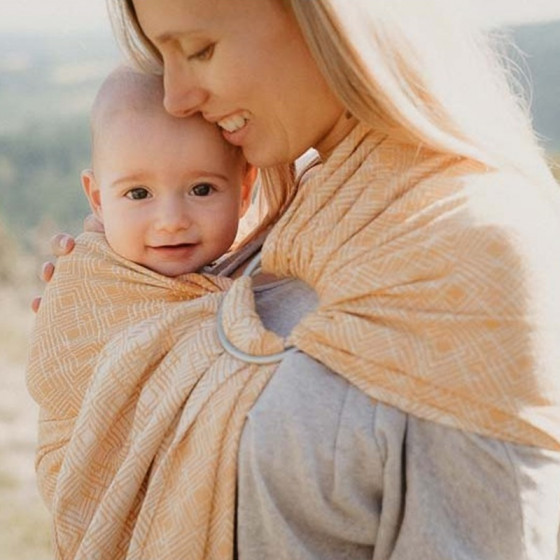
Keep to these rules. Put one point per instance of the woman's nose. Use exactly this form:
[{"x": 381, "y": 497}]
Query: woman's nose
[{"x": 183, "y": 95}]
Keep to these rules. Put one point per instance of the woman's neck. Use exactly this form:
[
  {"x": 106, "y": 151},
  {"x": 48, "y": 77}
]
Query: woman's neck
[{"x": 341, "y": 128}]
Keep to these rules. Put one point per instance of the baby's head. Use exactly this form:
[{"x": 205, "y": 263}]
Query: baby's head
[{"x": 169, "y": 191}]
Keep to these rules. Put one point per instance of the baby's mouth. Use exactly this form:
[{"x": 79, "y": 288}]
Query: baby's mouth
[{"x": 175, "y": 247}]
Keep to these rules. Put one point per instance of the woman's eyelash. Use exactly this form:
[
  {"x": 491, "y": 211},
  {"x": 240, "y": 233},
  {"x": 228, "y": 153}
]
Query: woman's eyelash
[{"x": 203, "y": 54}]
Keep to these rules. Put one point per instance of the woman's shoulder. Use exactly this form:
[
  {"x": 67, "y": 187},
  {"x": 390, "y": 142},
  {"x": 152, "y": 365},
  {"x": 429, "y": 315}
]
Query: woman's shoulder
[
  {"x": 458, "y": 227},
  {"x": 493, "y": 212},
  {"x": 511, "y": 199},
  {"x": 509, "y": 213},
  {"x": 498, "y": 235}
]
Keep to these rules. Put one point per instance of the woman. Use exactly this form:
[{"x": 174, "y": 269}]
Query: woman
[{"x": 420, "y": 417}]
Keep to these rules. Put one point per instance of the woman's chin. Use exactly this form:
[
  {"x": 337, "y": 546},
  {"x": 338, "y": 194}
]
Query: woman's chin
[{"x": 263, "y": 158}]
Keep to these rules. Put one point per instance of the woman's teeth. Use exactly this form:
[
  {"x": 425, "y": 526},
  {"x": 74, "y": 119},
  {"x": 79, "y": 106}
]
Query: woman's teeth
[{"x": 233, "y": 124}]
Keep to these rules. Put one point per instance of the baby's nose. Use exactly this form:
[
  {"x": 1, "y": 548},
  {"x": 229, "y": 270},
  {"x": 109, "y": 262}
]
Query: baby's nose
[{"x": 173, "y": 215}]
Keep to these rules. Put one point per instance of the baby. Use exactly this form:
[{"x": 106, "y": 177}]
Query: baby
[
  {"x": 123, "y": 314},
  {"x": 168, "y": 191}
]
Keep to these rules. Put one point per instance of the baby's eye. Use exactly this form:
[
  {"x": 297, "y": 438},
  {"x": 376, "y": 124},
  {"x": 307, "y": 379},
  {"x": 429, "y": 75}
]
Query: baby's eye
[
  {"x": 203, "y": 54},
  {"x": 203, "y": 189},
  {"x": 137, "y": 193}
]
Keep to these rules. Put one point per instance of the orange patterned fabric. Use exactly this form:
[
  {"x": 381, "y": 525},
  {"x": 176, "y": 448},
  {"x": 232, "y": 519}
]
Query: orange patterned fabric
[
  {"x": 438, "y": 289},
  {"x": 439, "y": 285},
  {"x": 140, "y": 410}
]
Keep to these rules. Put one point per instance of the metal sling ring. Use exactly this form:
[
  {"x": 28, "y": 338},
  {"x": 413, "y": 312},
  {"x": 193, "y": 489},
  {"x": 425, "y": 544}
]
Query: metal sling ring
[{"x": 252, "y": 268}]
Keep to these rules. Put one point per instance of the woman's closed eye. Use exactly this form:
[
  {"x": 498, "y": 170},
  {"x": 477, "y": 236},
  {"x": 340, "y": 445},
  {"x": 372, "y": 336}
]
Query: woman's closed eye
[
  {"x": 203, "y": 54},
  {"x": 202, "y": 189},
  {"x": 138, "y": 193}
]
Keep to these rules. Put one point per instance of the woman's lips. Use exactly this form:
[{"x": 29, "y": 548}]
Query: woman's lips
[
  {"x": 233, "y": 123},
  {"x": 234, "y": 127}
]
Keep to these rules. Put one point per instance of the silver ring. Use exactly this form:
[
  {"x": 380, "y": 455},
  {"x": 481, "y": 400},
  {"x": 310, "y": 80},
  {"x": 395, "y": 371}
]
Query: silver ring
[{"x": 252, "y": 268}]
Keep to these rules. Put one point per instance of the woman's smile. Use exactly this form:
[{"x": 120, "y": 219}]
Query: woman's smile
[
  {"x": 259, "y": 83},
  {"x": 234, "y": 123}
]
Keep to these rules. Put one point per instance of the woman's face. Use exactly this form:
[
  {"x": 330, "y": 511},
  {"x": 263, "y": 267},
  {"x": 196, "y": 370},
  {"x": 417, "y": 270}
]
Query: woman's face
[{"x": 245, "y": 66}]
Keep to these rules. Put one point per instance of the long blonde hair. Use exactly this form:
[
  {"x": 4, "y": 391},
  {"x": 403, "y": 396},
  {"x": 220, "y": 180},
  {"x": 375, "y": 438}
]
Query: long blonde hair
[{"x": 414, "y": 70}]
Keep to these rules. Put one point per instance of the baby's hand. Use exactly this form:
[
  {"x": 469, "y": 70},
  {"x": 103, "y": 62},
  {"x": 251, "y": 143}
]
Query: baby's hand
[
  {"x": 92, "y": 224},
  {"x": 62, "y": 244}
]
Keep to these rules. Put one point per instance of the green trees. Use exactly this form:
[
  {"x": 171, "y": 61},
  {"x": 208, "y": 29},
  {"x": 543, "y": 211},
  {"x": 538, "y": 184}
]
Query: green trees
[
  {"x": 47, "y": 84},
  {"x": 39, "y": 176}
]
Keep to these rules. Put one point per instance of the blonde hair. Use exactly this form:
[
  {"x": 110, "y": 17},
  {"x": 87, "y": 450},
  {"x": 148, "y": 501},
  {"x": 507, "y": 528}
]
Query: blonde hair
[
  {"x": 420, "y": 71},
  {"x": 414, "y": 70}
]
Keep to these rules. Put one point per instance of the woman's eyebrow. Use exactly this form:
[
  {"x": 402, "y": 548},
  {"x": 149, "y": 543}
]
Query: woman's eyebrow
[{"x": 167, "y": 36}]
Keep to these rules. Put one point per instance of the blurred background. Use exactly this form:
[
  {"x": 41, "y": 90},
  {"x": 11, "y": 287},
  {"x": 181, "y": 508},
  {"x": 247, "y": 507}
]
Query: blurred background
[{"x": 53, "y": 57}]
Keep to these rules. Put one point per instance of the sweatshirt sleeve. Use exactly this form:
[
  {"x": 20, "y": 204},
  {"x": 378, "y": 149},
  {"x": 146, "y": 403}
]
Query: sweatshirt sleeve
[
  {"x": 327, "y": 473},
  {"x": 476, "y": 498}
]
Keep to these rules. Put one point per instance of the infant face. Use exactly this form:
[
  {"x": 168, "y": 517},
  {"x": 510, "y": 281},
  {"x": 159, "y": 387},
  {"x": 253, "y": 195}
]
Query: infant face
[{"x": 169, "y": 191}]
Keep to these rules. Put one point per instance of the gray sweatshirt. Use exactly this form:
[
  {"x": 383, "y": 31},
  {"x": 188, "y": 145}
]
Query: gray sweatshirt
[{"x": 325, "y": 473}]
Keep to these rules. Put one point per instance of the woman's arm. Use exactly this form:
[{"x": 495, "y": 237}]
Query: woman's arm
[
  {"x": 325, "y": 473},
  {"x": 476, "y": 498}
]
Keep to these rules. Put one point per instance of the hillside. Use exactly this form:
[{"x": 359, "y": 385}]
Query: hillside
[{"x": 47, "y": 85}]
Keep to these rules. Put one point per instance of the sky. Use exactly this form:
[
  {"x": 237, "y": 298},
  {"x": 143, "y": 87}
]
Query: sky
[
  {"x": 64, "y": 16},
  {"x": 517, "y": 11},
  {"x": 61, "y": 16}
]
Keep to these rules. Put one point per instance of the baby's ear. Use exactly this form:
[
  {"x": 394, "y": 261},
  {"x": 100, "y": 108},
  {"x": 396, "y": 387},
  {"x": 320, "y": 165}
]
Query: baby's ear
[
  {"x": 247, "y": 187},
  {"x": 93, "y": 193}
]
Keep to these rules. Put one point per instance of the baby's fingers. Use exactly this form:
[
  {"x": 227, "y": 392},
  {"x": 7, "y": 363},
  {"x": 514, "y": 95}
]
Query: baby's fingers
[
  {"x": 61, "y": 244},
  {"x": 92, "y": 223},
  {"x": 47, "y": 271},
  {"x": 35, "y": 304}
]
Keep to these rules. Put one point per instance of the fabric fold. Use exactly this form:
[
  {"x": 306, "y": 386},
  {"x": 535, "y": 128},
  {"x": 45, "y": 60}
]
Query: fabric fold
[
  {"x": 141, "y": 410},
  {"x": 434, "y": 301}
]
